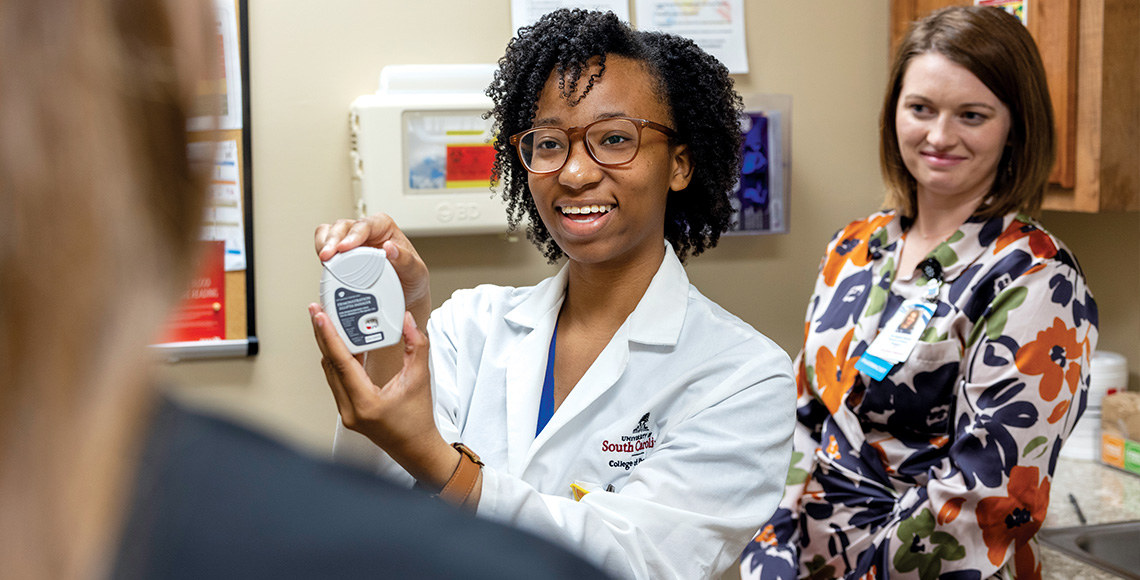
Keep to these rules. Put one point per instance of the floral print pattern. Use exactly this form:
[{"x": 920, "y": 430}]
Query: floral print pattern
[
  {"x": 941, "y": 470},
  {"x": 1048, "y": 356},
  {"x": 1016, "y": 517}
]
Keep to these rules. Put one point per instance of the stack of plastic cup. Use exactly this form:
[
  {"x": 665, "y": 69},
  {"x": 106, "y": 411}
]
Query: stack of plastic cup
[{"x": 1109, "y": 373}]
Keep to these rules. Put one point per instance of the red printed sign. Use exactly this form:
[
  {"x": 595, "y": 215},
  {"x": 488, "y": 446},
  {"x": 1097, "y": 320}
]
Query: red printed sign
[
  {"x": 202, "y": 314},
  {"x": 469, "y": 165}
]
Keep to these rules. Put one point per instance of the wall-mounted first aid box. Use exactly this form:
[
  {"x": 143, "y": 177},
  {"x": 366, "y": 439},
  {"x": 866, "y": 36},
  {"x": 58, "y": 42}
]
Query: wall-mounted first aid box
[{"x": 422, "y": 152}]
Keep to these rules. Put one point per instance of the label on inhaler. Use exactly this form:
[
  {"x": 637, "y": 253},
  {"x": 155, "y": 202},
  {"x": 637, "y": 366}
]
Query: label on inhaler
[{"x": 362, "y": 295}]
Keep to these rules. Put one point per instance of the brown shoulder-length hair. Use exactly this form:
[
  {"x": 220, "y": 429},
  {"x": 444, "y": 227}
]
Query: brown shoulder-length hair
[{"x": 996, "y": 48}]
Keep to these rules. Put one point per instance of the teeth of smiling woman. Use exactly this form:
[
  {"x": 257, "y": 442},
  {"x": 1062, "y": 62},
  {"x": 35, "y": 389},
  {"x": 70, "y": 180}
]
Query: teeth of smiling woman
[{"x": 587, "y": 209}]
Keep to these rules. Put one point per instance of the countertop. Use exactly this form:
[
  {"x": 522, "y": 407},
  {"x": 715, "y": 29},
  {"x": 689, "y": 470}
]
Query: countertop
[{"x": 1105, "y": 495}]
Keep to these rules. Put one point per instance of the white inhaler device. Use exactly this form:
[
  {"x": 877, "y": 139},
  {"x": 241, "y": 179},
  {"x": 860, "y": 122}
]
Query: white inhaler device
[{"x": 362, "y": 295}]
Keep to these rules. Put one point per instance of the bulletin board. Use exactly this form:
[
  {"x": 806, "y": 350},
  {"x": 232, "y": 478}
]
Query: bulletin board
[{"x": 216, "y": 315}]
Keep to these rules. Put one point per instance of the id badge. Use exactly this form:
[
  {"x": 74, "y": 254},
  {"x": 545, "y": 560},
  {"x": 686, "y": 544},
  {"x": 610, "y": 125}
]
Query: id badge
[{"x": 897, "y": 339}]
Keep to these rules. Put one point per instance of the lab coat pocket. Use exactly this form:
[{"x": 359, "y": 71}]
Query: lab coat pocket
[{"x": 579, "y": 489}]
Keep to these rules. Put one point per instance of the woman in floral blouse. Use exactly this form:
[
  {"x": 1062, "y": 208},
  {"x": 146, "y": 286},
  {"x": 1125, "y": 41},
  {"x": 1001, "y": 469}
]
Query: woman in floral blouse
[{"x": 931, "y": 457}]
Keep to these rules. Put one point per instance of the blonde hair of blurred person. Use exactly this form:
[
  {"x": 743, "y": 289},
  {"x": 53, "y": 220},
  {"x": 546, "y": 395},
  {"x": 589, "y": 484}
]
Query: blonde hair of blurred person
[{"x": 99, "y": 210}]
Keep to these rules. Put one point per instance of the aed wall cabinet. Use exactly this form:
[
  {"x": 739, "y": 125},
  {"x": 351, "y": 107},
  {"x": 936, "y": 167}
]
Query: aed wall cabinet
[
  {"x": 1091, "y": 53},
  {"x": 422, "y": 151}
]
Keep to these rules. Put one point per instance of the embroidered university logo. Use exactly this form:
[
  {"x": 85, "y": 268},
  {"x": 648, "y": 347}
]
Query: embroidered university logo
[
  {"x": 631, "y": 449},
  {"x": 642, "y": 425}
]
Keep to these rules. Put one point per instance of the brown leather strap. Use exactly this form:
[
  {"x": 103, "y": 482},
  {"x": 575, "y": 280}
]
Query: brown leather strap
[{"x": 458, "y": 489}]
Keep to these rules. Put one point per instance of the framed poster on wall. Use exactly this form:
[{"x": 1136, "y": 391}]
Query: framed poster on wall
[{"x": 217, "y": 315}]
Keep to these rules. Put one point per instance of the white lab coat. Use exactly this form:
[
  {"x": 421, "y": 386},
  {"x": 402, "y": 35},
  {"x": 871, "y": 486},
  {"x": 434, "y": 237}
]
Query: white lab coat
[{"x": 687, "y": 413}]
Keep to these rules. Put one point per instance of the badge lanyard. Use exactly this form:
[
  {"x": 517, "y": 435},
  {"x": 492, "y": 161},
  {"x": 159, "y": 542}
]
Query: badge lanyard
[{"x": 902, "y": 332}]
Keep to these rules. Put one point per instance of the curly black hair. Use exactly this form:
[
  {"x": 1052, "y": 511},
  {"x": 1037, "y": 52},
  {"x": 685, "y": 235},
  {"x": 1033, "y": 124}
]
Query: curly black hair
[{"x": 697, "y": 90}]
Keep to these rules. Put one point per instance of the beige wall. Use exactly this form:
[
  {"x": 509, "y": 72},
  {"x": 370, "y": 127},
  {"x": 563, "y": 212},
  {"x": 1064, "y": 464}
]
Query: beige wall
[{"x": 310, "y": 59}]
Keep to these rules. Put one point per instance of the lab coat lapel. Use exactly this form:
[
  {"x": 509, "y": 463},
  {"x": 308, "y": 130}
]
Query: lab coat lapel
[
  {"x": 657, "y": 320},
  {"x": 526, "y": 367},
  {"x": 599, "y": 378}
]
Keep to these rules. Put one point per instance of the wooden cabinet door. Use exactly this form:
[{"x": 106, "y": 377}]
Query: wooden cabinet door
[{"x": 1108, "y": 111}]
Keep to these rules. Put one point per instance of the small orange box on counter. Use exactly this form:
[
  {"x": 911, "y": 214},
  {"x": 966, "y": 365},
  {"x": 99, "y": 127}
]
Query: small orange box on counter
[{"x": 1120, "y": 426}]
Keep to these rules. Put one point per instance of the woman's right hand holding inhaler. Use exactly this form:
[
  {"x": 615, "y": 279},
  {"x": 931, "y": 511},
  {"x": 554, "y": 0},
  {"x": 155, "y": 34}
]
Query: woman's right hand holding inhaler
[
  {"x": 380, "y": 231},
  {"x": 392, "y": 404}
]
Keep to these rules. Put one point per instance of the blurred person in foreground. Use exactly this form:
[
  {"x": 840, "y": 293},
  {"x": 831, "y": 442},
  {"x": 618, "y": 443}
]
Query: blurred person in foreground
[
  {"x": 927, "y": 451},
  {"x": 99, "y": 215}
]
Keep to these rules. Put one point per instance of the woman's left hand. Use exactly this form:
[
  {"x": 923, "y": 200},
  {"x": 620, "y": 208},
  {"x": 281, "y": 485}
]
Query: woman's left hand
[{"x": 397, "y": 416}]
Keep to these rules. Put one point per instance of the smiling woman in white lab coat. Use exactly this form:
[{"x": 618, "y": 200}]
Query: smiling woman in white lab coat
[{"x": 612, "y": 407}]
